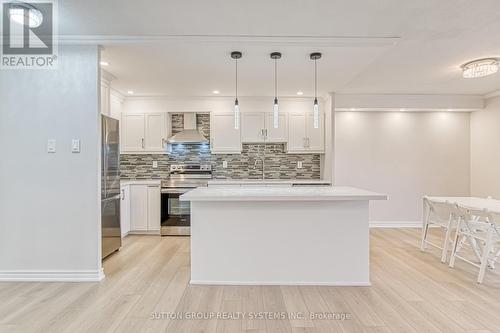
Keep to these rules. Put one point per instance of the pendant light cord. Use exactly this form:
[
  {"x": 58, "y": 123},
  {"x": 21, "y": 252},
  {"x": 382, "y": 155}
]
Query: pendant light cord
[
  {"x": 236, "y": 78},
  {"x": 275, "y": 78},
  {"x": 315, "y": 80}
]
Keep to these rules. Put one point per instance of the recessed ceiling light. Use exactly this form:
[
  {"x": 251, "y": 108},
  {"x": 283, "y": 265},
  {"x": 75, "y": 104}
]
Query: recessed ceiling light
[
  {"x": 104, "y": 63},
  {"x": 300, "y": 93},
  {"x": 216, "y": 92},
  {"x": 402, "y": 109},
  {"x": 352, "y": 109},
  {"x": 130, "y": 92},
  {"x": 480, "y": 68}
]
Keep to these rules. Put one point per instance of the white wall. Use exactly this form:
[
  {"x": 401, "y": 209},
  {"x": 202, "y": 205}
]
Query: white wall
[
  {"x": 485, "y": 150},
  {"x": 49, "y": 203},
  {"x": 405, "y": 155}
]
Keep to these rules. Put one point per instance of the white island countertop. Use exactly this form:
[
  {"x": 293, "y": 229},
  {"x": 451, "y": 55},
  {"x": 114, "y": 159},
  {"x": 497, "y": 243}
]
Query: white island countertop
[{"x": 254, "y": 193}]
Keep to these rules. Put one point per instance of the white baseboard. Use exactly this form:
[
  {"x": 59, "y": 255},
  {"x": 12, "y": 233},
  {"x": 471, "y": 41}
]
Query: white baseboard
[
  {"x": 144, "y": 232},
  {"x": 395, "y": 224},
  {"x": 52, "y": 276},
  {"x": 281, "y": 283}
]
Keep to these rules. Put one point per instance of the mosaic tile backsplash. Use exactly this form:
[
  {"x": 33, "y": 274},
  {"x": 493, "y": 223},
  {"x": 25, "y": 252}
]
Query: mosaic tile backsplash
[{"x": 247, "y": 165}]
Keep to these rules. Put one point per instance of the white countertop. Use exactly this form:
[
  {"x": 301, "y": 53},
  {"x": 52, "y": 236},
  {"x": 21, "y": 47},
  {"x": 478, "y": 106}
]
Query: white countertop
[
  {"x": 140, "y": 182},
  {"x": 239, "y": 182},
  {"x": 256, "y": 193}
]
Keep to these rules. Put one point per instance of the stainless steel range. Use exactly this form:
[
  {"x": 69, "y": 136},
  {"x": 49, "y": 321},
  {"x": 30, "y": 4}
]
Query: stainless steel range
[{"x": 175, "y": 214}]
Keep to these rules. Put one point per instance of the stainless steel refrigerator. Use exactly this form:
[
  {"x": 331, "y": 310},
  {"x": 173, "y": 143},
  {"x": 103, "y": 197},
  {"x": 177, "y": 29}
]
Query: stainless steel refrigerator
[{"x": 110, "y": 186}]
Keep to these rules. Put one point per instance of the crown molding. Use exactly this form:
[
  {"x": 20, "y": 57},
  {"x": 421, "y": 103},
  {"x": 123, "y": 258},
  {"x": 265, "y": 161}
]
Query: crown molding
[
  {"x": 317, "y": 41},
  {"x": 492, "y": 94}
]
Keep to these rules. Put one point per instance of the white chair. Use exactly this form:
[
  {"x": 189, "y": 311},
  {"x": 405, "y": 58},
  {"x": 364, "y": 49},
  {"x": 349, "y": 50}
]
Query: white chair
[
  {"x": 479, "y": 230},
  {"x": 438, "y": 214}
]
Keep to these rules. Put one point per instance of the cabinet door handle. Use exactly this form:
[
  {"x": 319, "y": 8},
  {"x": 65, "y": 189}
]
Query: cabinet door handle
[
  {"x": 265, "y": 133},
  {"x": 123, "y": 194},
  {"x": 142, "y": 143},
  {"x": 162, "y": 142}
]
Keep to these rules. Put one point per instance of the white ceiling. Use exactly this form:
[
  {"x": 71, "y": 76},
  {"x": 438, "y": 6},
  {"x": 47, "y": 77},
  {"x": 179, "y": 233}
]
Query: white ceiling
[{"x": 435, "y": 38}]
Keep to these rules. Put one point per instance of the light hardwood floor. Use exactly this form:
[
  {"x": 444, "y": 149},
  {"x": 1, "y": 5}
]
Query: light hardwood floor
[{"x": 412, "y": 292}]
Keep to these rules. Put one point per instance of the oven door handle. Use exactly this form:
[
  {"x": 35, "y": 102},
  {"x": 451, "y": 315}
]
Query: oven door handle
[{"x": 175, "y": 190}]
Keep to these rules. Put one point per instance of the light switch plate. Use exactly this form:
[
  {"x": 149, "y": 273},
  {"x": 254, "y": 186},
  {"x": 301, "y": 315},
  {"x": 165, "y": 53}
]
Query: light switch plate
[
  {"x": 75, "y": 146},
  {"x": 51, "y": 145},
  {"x": 155, "y": 164},
  {"x": 299, "y": 164},
  {"x": 224, "y": 164}
]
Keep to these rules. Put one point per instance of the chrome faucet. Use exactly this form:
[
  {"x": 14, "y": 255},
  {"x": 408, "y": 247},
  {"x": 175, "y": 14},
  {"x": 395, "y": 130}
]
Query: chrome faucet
[{"x": 263, "y": 161}]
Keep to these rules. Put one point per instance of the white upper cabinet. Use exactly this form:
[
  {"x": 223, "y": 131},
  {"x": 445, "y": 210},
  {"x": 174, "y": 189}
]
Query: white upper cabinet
[
  {"x": 296, "y": 131},
  {"x": 302, "y": 136},
  {"x": 132, "y": 133},
  {"x": 315, "y": 136},
  {"x": 252, "y": 126},
  {"x": 144, "y": 133},
  {"x": 276, "y": 134},
  {"x": 259, "y": 126},
  {"x": 224, "y": 138},
  {"x": 155, "y": 136}
]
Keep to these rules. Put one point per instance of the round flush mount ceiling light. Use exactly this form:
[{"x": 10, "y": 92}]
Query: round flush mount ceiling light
[
  {"x": 130, "y": 92},
  {"x": 480, "y": 68},
  {"x": 104, "y": 63},
  {"x": 19, "y": 10},
  {"x": 300, "y": 93},
  {"x": 215, "y": 92}
]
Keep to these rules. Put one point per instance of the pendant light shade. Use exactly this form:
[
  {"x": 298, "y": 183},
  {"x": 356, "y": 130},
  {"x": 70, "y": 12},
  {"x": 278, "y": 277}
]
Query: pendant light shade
[
  {"x": 275, "y": 56},
  {"x": 236, "y": 55},
  {"x": 315, "y": 56}
]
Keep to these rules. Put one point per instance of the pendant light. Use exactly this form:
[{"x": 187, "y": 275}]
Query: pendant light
[
  {"x": 236, "y": 55},
  {"x": 315, "y": 56},
  {"x": 275, "y": 56}
]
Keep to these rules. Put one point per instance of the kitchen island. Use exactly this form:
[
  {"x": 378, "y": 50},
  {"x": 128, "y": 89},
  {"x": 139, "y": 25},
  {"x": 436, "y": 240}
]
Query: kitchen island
[{"x": 252, "y": 235}]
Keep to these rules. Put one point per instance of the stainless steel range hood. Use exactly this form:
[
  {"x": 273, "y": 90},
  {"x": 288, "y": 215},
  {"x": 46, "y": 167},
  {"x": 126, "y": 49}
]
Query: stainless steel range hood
[{"x": 190, "y": 134}]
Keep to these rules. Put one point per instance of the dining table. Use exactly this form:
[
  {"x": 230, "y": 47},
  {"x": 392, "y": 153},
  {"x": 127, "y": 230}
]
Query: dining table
[{"x": 476, "y": 203}]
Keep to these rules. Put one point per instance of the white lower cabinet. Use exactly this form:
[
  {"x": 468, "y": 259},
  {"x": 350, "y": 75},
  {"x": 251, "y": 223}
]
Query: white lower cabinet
[
  {"x": 154, "y": 208},
  {"x": 145, "y": 209},
  {"x": 125, "y": 210}
]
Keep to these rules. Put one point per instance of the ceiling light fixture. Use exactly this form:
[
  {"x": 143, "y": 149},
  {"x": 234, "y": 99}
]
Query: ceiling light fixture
[
  {"x": 215, "y": 92},
  {"x": 130, "y": 92},
  {"x": 480, "y": 68},
  {"x": 315, "y": 56},
  {"x": 236, "y": 55},
  {"x": 275, "y": 56},
  {"x": 300, "y": 93},
  {"x": 17, "y": 13},
  {"x": 104, "y": 63}
]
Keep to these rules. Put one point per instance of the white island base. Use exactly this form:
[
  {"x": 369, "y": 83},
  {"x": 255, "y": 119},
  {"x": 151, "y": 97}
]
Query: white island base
[{"x": 280, "y": 236}]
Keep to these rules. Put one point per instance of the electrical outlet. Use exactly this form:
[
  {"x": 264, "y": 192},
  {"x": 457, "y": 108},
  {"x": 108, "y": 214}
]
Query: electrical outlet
[
  {"x": 75, "y": 146},
  {"x": 299, "y": 164},
  {"x": 51, "y": 146},
  {"x": 155, "y": 164},
  {"x": 224, "y": 164}
]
